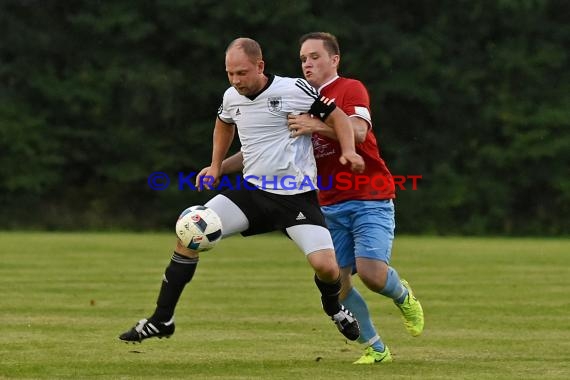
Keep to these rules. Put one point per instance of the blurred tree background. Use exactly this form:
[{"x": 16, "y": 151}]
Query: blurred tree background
[{"x": 472, "y": 95}]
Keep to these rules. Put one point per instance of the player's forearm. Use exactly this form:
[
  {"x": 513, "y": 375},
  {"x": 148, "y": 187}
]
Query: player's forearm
[
  {"x": 223, "y": 137},
  {"x": 233, "y": 163},
  {"x": 343, "y": 131},
  {"x": 324, "y": 130},
  {"x": 359, "y": 126}
]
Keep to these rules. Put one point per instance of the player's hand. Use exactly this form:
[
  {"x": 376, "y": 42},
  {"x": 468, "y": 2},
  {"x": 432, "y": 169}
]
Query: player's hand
[
  {"x": 356, "y": 161},
  {"x": 303, "y": 124},
  {"x": 207, "y": 178}
]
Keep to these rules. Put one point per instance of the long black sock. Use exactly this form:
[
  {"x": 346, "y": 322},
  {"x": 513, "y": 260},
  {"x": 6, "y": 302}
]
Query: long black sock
[
  {"x": 178, "y": 273},
  {"x": 329, "y": 295}
]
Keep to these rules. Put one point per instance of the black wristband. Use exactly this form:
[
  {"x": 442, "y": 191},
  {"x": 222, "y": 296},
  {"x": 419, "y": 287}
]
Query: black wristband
[{"x": 322, "y": 107}]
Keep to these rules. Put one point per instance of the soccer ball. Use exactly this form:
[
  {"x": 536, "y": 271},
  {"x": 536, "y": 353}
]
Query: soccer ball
[{"x": 199, "y": 228}]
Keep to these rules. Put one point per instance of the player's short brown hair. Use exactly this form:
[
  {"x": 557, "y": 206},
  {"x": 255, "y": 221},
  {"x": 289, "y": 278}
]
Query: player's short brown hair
[{"x": 329, "y": 40}]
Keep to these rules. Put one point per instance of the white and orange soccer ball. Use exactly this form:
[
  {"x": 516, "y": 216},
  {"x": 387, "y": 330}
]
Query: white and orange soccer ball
[{"x": 199, "y": 228}]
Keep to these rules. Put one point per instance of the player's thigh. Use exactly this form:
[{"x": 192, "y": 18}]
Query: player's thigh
[
  {"x": 316, "y": 243},
  {"x": 310, "y": 238},
  {"x": 373, "y": 230},
  {"x": 232, "y": 217},
  {"x": 339, "y": 222},
  {"x": 342, "y": 240},
  {"x": 302, "y": 219}
]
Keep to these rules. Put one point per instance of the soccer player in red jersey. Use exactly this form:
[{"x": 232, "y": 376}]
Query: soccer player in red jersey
[{"x": 358, "y": 209}]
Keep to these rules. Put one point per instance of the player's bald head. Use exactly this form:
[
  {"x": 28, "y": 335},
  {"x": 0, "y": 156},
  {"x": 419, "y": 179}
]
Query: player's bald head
[{"x": 250, "y": 48}]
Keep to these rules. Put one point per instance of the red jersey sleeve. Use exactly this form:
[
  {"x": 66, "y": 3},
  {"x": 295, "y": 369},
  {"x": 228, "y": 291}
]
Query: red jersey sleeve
[{"x": 356, "y": 101}]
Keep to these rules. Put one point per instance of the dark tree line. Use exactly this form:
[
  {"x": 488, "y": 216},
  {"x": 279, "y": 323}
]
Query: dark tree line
[{"x": 97, "y": 95}]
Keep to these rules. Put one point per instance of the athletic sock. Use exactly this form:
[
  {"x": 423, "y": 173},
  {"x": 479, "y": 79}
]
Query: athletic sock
[
  {"x": 394, "y": 288},
  {"x": 178, "y": 273},
  {"x": 368, "y": 335},
  {"x": 329, "y": 295}
]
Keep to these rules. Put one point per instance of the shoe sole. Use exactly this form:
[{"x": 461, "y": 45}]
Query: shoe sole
[{"x": 140, "y": 341}]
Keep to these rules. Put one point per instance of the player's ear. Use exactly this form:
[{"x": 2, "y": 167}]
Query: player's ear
[
  {"x": 336, "y": 59},
  {"x": 260, "y": 66}
]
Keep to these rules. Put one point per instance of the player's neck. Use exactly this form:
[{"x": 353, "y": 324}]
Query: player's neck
[
  {"x": 325, "y": 83},
  {"x": 262, "y": 82}
]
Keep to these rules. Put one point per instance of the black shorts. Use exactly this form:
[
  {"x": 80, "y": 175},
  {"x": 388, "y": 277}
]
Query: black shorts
[{"x": 268, "y": 212}]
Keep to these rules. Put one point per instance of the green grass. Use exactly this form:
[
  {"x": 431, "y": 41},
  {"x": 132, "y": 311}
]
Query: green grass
[{"x": 495, "y": 309}]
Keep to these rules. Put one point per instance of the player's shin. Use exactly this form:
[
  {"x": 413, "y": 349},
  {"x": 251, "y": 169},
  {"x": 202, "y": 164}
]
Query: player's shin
[
  {"x": 178, "y": 273},
  {"x": 368, "y": 333},
  {"x": 329, "y": 295},
  {"x": 343, "y": 318},
  {"x": 394, "y": 288}
]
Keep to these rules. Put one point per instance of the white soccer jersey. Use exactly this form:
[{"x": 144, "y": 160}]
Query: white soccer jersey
[{"x": 273, "y": 161}]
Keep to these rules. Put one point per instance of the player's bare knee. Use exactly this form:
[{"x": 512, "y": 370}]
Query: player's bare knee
[
  {"x": 373, "y": 273},
  {"x": 373, "y": 284},
  {"x": 373, "y": 281},
  {"x": 182, "y": 250},
  {"x": 327, "y": 274},
  {"x": 324, "y": 264}
]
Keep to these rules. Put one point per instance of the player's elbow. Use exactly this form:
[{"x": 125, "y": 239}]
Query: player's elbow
[
  {"x": 360, "y": 128},
  {"x": 359, "y": 137}
]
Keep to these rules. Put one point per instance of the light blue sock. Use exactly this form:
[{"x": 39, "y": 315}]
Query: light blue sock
[
  {"x": 368, "y": 335},
  {"x": 394, "y": 288}
]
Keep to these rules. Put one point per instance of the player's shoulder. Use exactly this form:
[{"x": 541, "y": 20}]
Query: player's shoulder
[
  {"x": 350, "y": 86},
  {"x": 295, "y": 85},
  {"x": 350, "y": 82},
  {"x": 231, "y": 93},
  {"x": 289, "y": 81}
]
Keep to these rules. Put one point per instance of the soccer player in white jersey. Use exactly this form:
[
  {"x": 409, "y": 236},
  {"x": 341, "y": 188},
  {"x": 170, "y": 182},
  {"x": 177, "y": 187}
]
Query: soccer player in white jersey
[{"x": 257, "y": 105}]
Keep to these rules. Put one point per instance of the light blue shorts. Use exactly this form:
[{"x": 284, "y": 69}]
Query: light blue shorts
[{"x": 361, "y": 229}]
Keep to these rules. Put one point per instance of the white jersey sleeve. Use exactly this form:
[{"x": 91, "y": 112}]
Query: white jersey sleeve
[
  {"x": 224, "y": 110},
  {"x": 320, "y": 106}
]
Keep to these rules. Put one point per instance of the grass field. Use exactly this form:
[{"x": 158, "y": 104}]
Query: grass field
[{"x": 495, "y": 309}]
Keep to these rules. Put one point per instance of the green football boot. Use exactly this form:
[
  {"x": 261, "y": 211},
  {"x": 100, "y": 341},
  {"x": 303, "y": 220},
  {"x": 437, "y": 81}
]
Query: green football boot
[
  {"x": 372, "y": 357},
  {"x": 412, "y": 312}
]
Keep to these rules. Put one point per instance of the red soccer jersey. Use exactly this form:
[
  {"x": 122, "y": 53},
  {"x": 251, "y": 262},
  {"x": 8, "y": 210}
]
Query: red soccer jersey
[{"x": 337, "y": 182}]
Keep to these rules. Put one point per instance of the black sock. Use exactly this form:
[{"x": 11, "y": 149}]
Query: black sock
[
  {"x": 329, "y": 295},
  {"x": 178, "y": 273}
]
